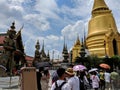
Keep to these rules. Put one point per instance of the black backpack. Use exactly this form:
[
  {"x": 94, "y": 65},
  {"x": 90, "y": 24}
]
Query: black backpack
[{"x": 59, "y": 87}]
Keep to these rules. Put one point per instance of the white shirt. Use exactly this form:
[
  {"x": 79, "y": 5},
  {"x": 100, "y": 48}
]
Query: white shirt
[
  {"x": 66, "y": 86},
  {"x": 107, "y": 77},
  {"x": 95, "y": 81},
  {"x": 74, "y": 83}
]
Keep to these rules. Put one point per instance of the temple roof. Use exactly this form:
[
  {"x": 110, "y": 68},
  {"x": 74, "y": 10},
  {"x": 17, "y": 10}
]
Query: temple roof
[
  {"x": 28, "y": 58},
  {"x": 99, "y": 4},
  {"x": 2, "y": 38}
]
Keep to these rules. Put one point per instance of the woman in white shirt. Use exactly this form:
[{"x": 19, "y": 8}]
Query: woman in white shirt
[{"x": 95, "y": 81}]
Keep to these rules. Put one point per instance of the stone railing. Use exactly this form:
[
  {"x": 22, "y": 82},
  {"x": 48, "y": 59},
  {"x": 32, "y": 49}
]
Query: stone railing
[{"x": 9, "y": 82}]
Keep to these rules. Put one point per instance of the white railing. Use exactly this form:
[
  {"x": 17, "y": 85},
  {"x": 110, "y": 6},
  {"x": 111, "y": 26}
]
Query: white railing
[{"x": 9, "y": 82}]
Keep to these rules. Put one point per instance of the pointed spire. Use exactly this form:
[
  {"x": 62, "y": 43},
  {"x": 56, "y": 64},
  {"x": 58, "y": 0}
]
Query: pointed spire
[
  {"x": 78, "y": 38},
  {"x": 48, "y": 53},
  {"x": 43, "y": 46},
  {"x": 77, "y": 41},
  {"x": 84, "y": 35},
  {"x": 48, "y": 56},
  {"x": 82, "y": 40},
  {"x": 99, "y": 4},
  {"x": 21, "y": 27},
  {"x": 37, "y": 46},
  {"x": 43, "y": 52},
  {"x": 82, "y": 50},
  {"x": 64, "y": 47},
  {"x": 12, "y": 28},
  {"x": 85, "y": 39}
]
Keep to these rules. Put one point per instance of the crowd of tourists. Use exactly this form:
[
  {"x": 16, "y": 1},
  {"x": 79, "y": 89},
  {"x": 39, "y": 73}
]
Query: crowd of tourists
[
  {"x": 78, "y": 77},
  {"x": 75, "y": 79}
]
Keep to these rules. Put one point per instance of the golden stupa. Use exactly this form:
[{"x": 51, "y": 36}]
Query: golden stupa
[
  {"x": 103, "y": 37},
  {"x": 76, "y": 49}
]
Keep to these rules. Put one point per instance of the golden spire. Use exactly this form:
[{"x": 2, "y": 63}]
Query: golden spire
[
  {"x": 77, "y": 41},
  {"x": 99, "y": 4},
  {"x": 100, "y": 7}
]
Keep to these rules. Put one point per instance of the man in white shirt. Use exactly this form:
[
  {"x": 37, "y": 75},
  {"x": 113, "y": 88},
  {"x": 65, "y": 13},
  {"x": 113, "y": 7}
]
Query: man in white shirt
[
  {"x": 62, "y": 76},
  {"x": 73, "y": 80}
]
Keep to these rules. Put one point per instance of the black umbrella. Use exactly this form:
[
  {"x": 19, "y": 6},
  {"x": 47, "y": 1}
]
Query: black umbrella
[{"x": 43, "y": 64}]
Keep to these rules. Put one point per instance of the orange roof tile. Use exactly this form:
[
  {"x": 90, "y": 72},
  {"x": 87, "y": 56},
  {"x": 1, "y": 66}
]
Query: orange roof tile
[
  {"x": 2, "y": 38},
  {"x": 28, "y": 58}
]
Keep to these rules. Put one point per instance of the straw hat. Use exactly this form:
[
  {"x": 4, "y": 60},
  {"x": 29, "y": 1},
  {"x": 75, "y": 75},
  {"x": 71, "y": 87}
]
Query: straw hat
[{"x": 70, "y": 71}]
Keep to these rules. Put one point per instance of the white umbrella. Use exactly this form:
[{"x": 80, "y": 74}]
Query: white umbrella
[
  {"x": 1, "y": 66},
  {"x": 92, "y": 70}
]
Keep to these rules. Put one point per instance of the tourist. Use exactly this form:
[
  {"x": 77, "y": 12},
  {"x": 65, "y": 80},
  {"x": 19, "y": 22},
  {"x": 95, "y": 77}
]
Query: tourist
[
  {"x": 73, "y": 80},
  {"x": 107, "y": 79},
  {"x": 114, "y": 79},
  {"x": 61, "y": 80},
  {"x": 54, "y": 76},
  {"x": 45, "y": 80},
  {"x": 102, "y": 80},
  {"x": 95, "y": 80},
  {"x": 84, "y": 83},
  {"x": 39, "y": 75}
]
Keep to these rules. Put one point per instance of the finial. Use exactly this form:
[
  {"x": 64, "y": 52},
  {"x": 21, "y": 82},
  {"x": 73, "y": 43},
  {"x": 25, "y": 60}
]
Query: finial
[
  {"x": 43, "y": 46},
  {"x": 13, "y": 25},
  {"x": 37, "y": 46},
  {"x": 77, "y": 36},
  {"x": 64, "y": 45},
  {"x": 37, "y": 41},
  {"x": 21, "y": 27}
]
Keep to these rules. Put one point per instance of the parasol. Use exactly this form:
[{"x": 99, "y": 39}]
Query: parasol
[
  {"x": 105, "y": 66},
  {"x": 1, "y": 66},
  {"x": 43, "y": 64},
  {"x": 79, "y": 68},
  {"x": 92, "y": 70}
]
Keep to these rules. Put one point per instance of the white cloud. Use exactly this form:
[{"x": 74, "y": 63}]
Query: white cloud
[
  {"x": 47, "y": 8},
  {"x": 82, "y": 9},
  {"x": 71, "y": 31},
  {"x": 52, "y": 37},
  {"x": 16, "y": 1},
  {"x": 38, "y": 21},
  {"x": 17, "y": 8}
]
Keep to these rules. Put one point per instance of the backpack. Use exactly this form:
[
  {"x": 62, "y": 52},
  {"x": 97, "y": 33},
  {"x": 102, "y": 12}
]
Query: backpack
[{"x": 59, "y": 87}]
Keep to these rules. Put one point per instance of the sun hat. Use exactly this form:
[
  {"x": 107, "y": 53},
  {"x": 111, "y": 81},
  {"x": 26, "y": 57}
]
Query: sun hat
[{"x": 70, "y": 71}]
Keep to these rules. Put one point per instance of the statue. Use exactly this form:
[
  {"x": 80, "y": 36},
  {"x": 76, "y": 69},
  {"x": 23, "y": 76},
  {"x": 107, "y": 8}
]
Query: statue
[
  {"x": 37, "y": 54},
  {"x": 9, "y": 46}
]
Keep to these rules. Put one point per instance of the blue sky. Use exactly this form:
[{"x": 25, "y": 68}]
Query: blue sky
[{"x": 50, "y": 20}]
